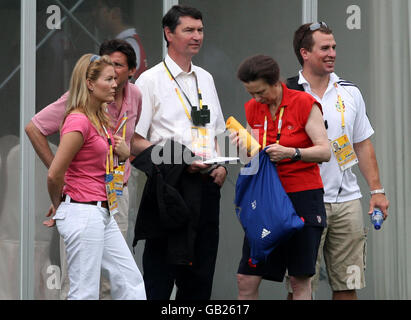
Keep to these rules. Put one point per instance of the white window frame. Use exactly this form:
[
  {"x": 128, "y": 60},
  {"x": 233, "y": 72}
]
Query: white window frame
[{"x": 27, "y": 156}]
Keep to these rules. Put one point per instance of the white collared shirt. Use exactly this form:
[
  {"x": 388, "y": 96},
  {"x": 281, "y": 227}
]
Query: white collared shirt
[
  {"x": 163, "y": 116},
  {"x": 357, "y": 128}
]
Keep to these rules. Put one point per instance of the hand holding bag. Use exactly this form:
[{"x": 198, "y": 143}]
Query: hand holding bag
[{"x": 264, "y": 208}]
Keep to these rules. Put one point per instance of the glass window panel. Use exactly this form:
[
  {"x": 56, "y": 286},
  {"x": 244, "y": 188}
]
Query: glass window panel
[
  {"x": 350, "y": 23},
  {"x": 352, "y": 43},
  {"x": 233, "y": 31},
  {"x": 9, "y": 149},
  {"x": 373, "y": 51}
]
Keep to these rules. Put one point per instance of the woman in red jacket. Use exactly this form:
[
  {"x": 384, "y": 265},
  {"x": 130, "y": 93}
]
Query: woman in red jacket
[{"x": 290, "y": 124}]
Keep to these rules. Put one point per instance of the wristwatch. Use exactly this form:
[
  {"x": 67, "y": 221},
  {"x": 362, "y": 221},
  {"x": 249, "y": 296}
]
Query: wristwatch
[
  {"x": 297, "y": 155},
  {"x": 377, "y": 191}
]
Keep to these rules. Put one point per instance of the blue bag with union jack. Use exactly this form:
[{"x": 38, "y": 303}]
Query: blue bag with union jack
[{"x": 263, "y": 207}]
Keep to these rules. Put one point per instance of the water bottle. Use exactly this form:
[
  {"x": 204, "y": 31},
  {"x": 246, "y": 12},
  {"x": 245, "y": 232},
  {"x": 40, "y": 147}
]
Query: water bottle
[{"x": 377, "y": 218}]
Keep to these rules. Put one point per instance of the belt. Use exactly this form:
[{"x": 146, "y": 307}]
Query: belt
[{"x": 103, "y": 204}]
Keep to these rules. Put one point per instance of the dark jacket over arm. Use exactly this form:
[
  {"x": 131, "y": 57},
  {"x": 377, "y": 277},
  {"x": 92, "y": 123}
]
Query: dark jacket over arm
[{"x": 171, "y": 200}]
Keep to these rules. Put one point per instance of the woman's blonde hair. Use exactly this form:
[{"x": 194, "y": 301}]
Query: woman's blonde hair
[{"x": 88, "y": 67}]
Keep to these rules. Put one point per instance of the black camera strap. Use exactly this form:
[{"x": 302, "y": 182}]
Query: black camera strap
[{"x": 200, "y": 99}]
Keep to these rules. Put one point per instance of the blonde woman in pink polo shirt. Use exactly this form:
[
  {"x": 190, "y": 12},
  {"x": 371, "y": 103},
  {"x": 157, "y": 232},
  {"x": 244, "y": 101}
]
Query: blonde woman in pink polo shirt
[{"x": 80, "y": 184}]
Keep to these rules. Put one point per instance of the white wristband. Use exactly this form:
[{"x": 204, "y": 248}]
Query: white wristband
[{"x": 377, "y": 191}]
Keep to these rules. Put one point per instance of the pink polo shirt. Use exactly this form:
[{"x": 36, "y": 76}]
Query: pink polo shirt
[
  {"x": 84, "y": 178},
  {"x": 49, "y": 119}
]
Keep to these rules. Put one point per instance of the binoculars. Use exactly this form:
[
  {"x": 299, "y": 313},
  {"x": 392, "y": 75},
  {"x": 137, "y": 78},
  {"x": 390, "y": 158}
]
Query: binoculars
[{"x": 200, "y": 117}]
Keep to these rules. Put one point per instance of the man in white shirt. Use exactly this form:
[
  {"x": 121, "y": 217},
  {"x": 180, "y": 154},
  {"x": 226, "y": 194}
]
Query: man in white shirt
[
  {"x": 344, "y": 240},
  {"x": 174, "y": 92}
]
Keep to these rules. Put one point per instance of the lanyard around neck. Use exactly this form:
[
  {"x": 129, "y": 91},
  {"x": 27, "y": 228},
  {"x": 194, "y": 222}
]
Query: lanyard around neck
[
  {"x": 200, "y": 99},
  {"x": 341, "y": 107},
  {"x": 123, "y": 125},
  {"x": 279, "y": 126},
  {"x": 110, "y": 158}
]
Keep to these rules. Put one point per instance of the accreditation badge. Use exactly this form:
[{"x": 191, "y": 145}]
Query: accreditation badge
[
  {"x": 111, "y": 194},
  {"x": 118, "y": 178},
  {"x": 344, "y": 152},
  {"x": 201, "y": 144}
]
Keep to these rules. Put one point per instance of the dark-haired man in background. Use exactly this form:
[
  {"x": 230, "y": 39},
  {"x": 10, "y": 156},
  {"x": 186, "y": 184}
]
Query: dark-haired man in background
[{"x": 113, "y": 21}]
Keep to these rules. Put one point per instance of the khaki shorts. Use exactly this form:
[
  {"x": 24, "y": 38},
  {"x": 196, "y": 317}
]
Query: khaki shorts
[{"x": 343, "y": 245}]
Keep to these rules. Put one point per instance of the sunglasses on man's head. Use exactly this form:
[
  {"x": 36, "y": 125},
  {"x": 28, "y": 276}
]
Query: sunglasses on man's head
[
  {"x": 313, "y": 27},
  {"x": 317, "y": 25}
]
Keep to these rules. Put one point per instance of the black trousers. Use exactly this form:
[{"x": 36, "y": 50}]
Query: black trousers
[{"x": 193, "y": 282}]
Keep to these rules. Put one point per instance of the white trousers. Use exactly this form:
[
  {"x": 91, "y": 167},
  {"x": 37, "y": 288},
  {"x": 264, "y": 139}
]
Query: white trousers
[{"x": 93, "y": 242}]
